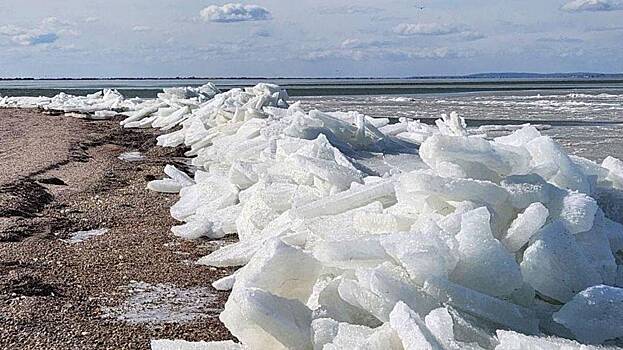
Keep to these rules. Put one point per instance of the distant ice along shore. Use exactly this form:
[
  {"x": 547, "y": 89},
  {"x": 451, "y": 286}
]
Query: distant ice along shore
[{"x": 360, "y": 233}]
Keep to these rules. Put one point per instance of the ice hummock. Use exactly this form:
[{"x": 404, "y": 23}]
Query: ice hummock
[
  {"x": 108, "y": 103},
  {"x": 357, "y": 233}
]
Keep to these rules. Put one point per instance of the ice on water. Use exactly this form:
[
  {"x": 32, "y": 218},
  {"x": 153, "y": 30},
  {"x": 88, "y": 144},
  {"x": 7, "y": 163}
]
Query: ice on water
[{"x": 359, "y": 233}]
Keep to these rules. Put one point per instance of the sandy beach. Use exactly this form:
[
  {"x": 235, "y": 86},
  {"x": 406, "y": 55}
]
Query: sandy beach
[{"x": 61, "y": 175}]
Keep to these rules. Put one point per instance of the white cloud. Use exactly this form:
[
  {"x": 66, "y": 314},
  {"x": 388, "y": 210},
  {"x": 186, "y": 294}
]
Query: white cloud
[
  {"x": 55, "y": 22},
  {"x": 386, "y": 53},
  {"x": 460, "y": 32},
  {"x": 234, "y": 13},
  {"x": 605, "y": 29},
  {"x": 10, "y": 30},
  {"x": 348, "y": 10},
  {"x": 407, "y": 29},
  {"x": 363, "y": 44},
  {"x": 34, "y": 38},
  {"x": 471, "y": 36},
  {"x": 592, "y": 5},
  {"x": 91, "y": 19},
  {"x": 141, "y": 29},
  {"x": 48, "y": 31},
  {"x": 561, "y": 39}
]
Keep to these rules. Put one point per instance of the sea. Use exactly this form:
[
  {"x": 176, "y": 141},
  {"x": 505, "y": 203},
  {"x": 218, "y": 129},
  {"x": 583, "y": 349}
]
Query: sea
[{"x": 584, "y": 115}]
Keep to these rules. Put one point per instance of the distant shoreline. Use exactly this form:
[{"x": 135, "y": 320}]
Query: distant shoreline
[{"x": 576, "y": 75}]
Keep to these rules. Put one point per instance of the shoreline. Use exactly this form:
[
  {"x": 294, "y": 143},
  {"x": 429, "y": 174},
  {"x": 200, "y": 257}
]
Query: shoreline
[{"x": 61, "y": 175}]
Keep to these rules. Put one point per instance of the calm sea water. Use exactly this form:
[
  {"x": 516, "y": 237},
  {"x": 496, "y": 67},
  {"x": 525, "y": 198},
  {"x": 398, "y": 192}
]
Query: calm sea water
[{"x": 586, "y": 116}]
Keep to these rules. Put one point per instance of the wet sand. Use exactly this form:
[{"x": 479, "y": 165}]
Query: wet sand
[{"x": 60, "y": 175}]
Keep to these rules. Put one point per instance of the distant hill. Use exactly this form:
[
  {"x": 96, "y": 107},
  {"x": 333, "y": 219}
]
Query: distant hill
[
  {"x": 575, "y": 75},
  {"x": 500, "y": 75}
]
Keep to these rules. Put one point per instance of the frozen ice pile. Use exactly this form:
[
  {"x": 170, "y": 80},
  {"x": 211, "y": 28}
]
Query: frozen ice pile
[
  {"x": 356, "y": 233},
  {"x": 108, "y": 103}
]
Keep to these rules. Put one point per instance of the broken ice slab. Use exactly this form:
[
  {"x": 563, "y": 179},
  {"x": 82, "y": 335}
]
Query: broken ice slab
[
  {"x": 615, "y": 171},
  {"x": 350, "y": 253},
  {"x": 331, "y": 335},
  {"x": 280, "y": 269},
  {"x": 594, "y": 315},
  {"x": 382, "y": 191},
  {"x": 131, "y": 156},
  {"x": 236, "y": 254},
  {"x": 197, "y": 227},
  {"x": 323, "y": 227},
  {"x": 77, "y": 115},
  {"x": 577, "y": 212},
  {"x": 165, "y": 186},
  {"x": 356, "y": 294},
  {"x": 452, "y": 189},
  {"x": 509, "y": 340},
  {"x": 261, "y": 320},
  {"x": 422, "y": 253},
  {"x": 217, "y": 191},
  {"x": 470, "y": 329},
  {"x": 326, "y": 302},
  {"x": 525, "y": 226},
  {"x": 142, "y": 113},
  {"x": 181, "y": 177},
  {"x": 492, "y": 309},
  {"x": 440, "y": 323},
  {"x": 527, "y": 189},
  {"x": 484, "y": 264},
  {"x": 599, "y": 250},
  {"x": 225, "y": 283},
  {"x": 555, "y": 266},
  {"x": 103, "y": 114},
  {"x": 497, "y": 159},
  {"x": 166, "y": 344},
  {"x": 81, "y": 236},
  {"x": 393, "y": 284},
  {"x": 549, "y": 160},
  {"x": 411, "y": 329}
]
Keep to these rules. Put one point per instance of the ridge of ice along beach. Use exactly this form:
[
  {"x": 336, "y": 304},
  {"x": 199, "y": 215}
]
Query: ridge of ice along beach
[{"x": 375, "y": 233}]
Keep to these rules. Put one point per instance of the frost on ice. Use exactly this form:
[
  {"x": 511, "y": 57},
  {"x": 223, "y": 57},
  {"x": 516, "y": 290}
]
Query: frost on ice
[{"x": 362, "y": 233}]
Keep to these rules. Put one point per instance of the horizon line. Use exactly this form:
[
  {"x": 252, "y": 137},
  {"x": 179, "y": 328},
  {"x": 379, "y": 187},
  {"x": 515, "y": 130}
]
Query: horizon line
[{"x": 470, "y": 75}]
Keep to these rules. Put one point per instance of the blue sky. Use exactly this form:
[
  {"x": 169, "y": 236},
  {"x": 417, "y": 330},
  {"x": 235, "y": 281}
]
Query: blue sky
[{"x": 76, "y": 38}]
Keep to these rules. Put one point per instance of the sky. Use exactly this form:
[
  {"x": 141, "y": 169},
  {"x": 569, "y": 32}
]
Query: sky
[{"x": 307, "y": 38}]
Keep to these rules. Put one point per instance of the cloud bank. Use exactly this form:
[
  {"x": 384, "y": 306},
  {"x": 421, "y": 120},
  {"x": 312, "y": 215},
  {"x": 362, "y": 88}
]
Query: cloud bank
[
  {"x": 141, "y": 28},
  {"x": 348, "y": 10},
  {"x": 48, "y": 31},
  {"x": 408, "y": 29},
  {"x": 593, "y": 5},
  {"x": 31, "y": 39},
  {"x": 362, "y": 51},
  {"x": 235, "y": 13}
]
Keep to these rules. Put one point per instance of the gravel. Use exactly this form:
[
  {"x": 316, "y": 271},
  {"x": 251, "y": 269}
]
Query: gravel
[{"x": 56, "y": 295}]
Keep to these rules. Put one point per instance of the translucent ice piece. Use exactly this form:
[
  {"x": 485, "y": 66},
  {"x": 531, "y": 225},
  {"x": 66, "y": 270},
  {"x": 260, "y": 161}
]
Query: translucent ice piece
[{"x": 594, "y": 314}]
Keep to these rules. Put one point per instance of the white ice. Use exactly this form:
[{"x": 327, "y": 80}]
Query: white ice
[{"x": 354, "y": 232}]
